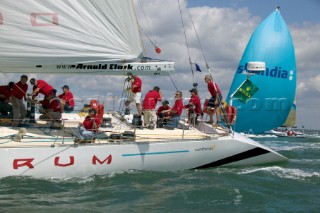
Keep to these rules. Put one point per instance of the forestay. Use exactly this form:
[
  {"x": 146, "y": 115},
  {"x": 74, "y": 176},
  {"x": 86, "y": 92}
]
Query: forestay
[{"x": 72, "y": 36}]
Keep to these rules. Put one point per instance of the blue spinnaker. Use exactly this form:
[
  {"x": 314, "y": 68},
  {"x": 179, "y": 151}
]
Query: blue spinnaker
[{"x": 267, "y": 106}]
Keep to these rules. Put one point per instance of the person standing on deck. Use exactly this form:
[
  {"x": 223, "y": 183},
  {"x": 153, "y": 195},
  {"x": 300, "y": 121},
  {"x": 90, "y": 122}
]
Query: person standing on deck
[
  {"x": 19, "y": 91},
  {"x": 66, "y": 99},
  {"x": 176, "y": 111},
  {"x": 40, "y": 86},
  {"x": 5, "y": 107},
  {"x": 148, "y": 106},
  {"x": 136, "y": 90},
  {"x": 215, "y": 100},
  {"x": 193, "y": 107}
]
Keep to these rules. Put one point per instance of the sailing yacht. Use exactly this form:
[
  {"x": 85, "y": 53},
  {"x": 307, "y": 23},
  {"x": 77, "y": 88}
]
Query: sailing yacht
[{"x": 100, "y": 37}]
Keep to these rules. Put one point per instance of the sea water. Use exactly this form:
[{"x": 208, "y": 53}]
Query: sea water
[{"x": 293, "y": 186}]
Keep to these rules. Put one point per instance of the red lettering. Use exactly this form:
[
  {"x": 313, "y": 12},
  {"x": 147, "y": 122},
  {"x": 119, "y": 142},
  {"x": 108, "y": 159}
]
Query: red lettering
[
  {"x": 35, "y": 21},
  {"x": 56, "y": 162},
  {"x": 23, "y": 162},
  {"x": 1, "y": 19},
  {"x": 95, "y": 159}
]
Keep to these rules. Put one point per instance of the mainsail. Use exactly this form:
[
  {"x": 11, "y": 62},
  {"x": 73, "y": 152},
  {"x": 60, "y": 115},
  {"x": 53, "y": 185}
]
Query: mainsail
[
  {"x": 72, "y": 36},
  {"x": 269, "y": 105}
]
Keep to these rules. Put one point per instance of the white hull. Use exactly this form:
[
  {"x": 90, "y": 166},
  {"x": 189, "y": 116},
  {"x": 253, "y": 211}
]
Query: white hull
[
  {"x": 82, "y": 160},
  {"x": 284, "y": 134}
]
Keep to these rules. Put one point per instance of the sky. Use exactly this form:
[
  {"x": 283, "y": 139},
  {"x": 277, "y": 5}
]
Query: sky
[{"x": 224, "y": 27}]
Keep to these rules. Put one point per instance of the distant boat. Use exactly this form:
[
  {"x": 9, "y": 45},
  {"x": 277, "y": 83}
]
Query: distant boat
[
  {"x": 264, "y": 99},
  {"x": 289, "y": 124},
  {"x": 100, "y": 37},
  {"x": 290, "y": 133}
]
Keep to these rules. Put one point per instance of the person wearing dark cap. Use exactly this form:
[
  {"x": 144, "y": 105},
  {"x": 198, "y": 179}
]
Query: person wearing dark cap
[
  {"x": 5, "y": 107},
  {"x": 163, "y": 116},
  {"x": 149, "y": 105},
  {"x": 193, "y": 107},
  {"x": 66, "y": 99},
  {"x": 40, "y": 86},
  {"x": 135, "y": 88},
  {"x": 18, "y": 93}
]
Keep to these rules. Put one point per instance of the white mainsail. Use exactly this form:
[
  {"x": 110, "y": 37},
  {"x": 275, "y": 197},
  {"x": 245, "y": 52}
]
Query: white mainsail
[{"x": 70, "y": 36}]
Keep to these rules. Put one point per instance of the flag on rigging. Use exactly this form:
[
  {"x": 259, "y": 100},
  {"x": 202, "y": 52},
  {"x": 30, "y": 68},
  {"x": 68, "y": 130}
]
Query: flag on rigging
[
  {"x": 245, "y": 91},
  {"x": 196, "y": 67}
]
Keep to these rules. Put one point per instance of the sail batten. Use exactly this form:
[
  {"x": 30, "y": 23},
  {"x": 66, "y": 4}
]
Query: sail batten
[{"x": 67, "y": 32}]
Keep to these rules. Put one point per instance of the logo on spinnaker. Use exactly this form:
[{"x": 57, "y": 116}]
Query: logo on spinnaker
[{"x": 245, "y": 91}]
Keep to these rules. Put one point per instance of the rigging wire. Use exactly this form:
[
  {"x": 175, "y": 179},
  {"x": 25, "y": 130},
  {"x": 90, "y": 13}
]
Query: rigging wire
[
  {"x": 124, "y": 96},
  {"x": 185, "y": 35},
  {"x": 224, "y": 114},
  {"x": 173, "y": 82},
  {"x": 148, "y": 37},
  {"x": 154, "y": 43},
  {"x": 194, "y": 28},
  {"x": 144, "y": 14}
]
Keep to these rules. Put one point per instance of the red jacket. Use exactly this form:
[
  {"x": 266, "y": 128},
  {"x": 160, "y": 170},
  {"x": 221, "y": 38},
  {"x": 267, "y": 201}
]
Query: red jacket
[
  {"x": 161, "y": 108},
  {"x": 137, "y": 82},
  {"x": 213, "y": 89},
  {"x": 88, "y": 123},
  {"x": 151, "y": 99},
  {"x": 45, "y": 88},
  {"x": 19, "y": 90},
  {"x": 177, "y": 107},
  {"x": 4, "y": 90},
  {"x": 54, "y": 104},
  {"x": 68, "y": 97},
  {"x": 45, "y": 103},
  {"x": 194, "y": 103}
]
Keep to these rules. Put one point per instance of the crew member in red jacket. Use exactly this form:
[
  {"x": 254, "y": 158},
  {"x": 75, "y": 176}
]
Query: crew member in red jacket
[
  {"x": 89, "y": 127},
  {"x": 215, "y": 100},
  {"x": 66, "y": 99},
  {"x": 136, "y": 91},
  {"x": 148, "y": 106},
  {"x": 176, "y": 111},
  {"x": 193, "y": 107},
  {"x": 53, "y": 111},
  {"x": 40, "y": 86},
  {"x": 5, "y": 107},
  {"x": 163, "y": 117},
  {"x": 18, "y": 92}
]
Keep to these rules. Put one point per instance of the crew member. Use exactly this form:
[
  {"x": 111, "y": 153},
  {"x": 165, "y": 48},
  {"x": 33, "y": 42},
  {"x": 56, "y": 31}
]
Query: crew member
[
  {"x": 135, "y": 88},
  {"x": 163, "y": 117},
  {"x": 40, "y": 86},
  {"x": 66, "y": 98},
  {"x": 193, "y": 107},
  {"x": 19, "y": 91},
  {"x": 215, "y": 100},
  {"x": 5, "y": 107},
  {"x": 149, "y": 105},
  {"x": 53, "y": 112},
  {"x": 176, "y": 111},
  {"x": 89, "y": 127}
]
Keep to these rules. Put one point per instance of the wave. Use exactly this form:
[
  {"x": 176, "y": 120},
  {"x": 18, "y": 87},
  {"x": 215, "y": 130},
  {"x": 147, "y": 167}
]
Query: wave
[{"x": 286, "y": 173}]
